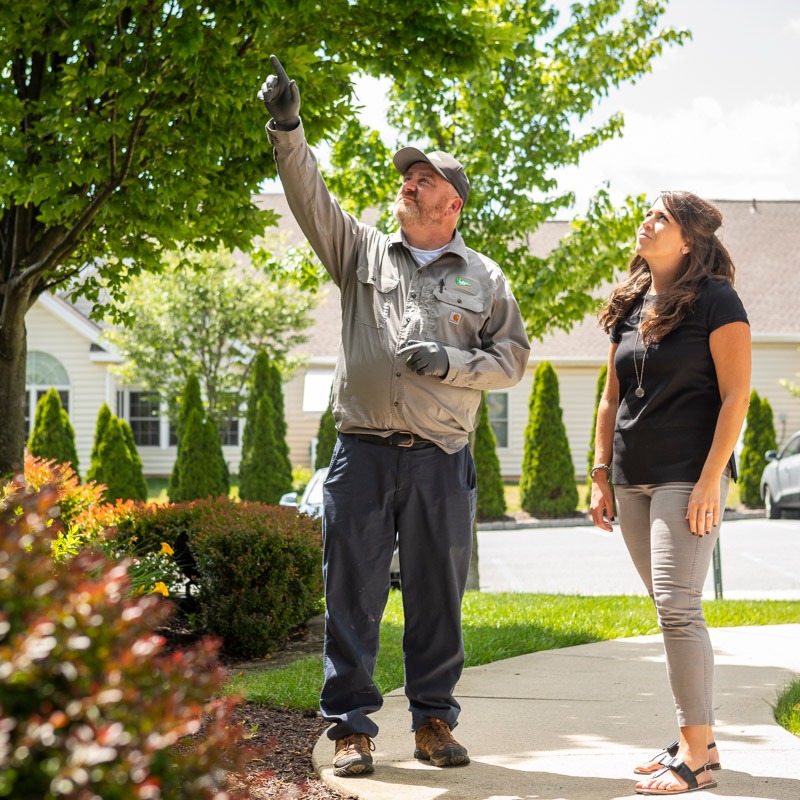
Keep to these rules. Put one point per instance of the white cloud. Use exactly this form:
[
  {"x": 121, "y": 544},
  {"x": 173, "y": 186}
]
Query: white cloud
[{"x": 794, "y": 26}]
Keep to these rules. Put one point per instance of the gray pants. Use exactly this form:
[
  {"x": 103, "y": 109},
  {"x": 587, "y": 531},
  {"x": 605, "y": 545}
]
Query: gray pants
[{"x": 673, "y": 565}]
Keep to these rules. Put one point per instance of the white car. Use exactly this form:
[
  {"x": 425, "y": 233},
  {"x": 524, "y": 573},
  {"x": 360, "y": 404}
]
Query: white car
[
  {"x": 780, "y": 481},
  {"x": 310, "y": 502}
]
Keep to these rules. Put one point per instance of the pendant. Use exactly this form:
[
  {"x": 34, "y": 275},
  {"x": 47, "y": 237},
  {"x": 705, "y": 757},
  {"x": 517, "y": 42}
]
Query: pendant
[{"x": 639, "y": 392}]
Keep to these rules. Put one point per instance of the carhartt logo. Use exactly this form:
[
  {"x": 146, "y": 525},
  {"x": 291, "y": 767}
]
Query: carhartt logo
[
  {"x": 462, "y": 282},
  {"x": 455, "y": 317}
]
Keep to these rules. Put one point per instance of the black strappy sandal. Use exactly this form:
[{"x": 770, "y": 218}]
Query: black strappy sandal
[
  {"x": 671, "y": 750},
  {"x": 683, "y": 772}
]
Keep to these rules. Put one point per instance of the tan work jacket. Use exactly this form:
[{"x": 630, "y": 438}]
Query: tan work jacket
[{"x": 461, "y": 299}]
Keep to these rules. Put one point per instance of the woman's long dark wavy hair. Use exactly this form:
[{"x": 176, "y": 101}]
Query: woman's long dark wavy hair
[{"x": 707, "y": 259}]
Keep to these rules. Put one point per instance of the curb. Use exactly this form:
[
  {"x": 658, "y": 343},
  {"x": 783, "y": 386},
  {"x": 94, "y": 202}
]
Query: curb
[{"x": 585, "y": 521}]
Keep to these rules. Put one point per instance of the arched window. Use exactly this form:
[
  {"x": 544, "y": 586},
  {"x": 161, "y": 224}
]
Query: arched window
[{"x": 43, "y": 372}]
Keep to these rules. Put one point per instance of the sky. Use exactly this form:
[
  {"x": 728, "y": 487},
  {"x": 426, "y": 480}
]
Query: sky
[{"x": 718, "y": 116}]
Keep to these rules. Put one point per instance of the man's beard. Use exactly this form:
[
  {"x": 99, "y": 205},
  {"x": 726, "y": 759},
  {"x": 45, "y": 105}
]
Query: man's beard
[{"x": 418, "y": 214}]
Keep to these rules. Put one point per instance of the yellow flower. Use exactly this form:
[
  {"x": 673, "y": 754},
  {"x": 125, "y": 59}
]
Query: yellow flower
[
  {"x": 161, "y": 588},
  {"x": 166, "y": 550}
]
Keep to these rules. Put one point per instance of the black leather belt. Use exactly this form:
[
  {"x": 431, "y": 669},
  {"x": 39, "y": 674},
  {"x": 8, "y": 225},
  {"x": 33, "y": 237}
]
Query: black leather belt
[{"x": 399, "y": 439}]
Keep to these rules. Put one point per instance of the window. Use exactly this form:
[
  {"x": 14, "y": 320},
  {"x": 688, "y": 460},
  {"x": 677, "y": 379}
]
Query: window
[
  {"x": 229, "y": 432},
  {"x": 498, "y": 416},
  {"x": 143, "y": 415},
  {"x": 44, "y": 371},
  {"x": 317, "y": 390}
]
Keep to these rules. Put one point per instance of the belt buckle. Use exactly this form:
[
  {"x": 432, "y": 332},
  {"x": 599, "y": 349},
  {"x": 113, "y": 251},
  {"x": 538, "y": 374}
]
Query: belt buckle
[{"x": 410, "y": 442}]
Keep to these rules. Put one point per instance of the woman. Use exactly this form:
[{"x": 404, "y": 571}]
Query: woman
[{"x": 671, "y": 412}]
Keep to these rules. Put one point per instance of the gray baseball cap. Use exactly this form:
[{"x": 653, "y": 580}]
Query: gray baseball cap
[{"x": 447, "y": 166}]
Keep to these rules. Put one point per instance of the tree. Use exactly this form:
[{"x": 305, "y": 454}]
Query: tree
[
  {"x": 512, "y": 120},
  {"x": 118, "y": 467},
  {"x": 132, "y": 128},
  {"x": 598, "y": 394},
  {"x": 53, "y": 435},
  {"x": 326, "y": 439},
  {"x": 207, "y": 315},
  {"x": 283, "y": 467},
  {"x": 491, "y": 497},
  {"x": 261, "y": 474},
  {"x": 189, "y": 401},
  {"x": 103, "y": 417},
  {"x": 547, "y": 484},
  {"x": 759, "y": 436},
  {"x": 201, "y": 471}
]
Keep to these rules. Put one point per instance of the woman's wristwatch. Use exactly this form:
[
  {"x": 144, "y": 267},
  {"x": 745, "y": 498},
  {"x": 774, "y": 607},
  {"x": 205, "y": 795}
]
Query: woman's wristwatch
[{"x": 597, "y": 467}]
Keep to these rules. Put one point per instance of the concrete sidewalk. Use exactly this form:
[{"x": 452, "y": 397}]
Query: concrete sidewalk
[{"x": 570, "y": 724}]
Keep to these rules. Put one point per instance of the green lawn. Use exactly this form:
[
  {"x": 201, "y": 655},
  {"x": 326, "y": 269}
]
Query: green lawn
[{"x": 498, "y": 626}]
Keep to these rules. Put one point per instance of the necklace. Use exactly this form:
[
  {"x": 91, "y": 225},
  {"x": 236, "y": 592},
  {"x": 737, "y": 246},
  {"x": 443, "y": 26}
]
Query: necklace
[{"x": 639, "y": 391}]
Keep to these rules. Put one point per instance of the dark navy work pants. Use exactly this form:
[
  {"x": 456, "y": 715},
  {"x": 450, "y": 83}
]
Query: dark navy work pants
[{"x": 427, "y": 497}]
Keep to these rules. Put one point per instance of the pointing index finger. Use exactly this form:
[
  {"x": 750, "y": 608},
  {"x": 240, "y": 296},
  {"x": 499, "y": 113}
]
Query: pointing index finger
[{"x": 283, "y": 78}]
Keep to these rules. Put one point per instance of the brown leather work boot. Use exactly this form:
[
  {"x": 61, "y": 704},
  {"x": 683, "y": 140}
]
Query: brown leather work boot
[
  {"x": 436, "y": 744},
  {"x": 352, "y": 755}
]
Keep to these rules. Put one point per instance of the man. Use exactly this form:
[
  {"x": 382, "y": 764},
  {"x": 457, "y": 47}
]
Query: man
[{"x": 427, "y": 324}]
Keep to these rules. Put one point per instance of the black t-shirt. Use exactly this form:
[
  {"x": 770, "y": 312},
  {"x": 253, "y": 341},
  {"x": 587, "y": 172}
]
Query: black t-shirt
[{"x": 665, "y": 435}]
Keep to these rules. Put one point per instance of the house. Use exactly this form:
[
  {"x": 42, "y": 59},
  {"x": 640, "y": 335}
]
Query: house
[{"x": 65, "y": 351}]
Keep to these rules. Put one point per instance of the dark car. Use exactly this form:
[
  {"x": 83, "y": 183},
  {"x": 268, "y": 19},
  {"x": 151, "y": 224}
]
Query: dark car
[
  {"x": 310, "y": 502},
  {"x": 780, "y": 481}
]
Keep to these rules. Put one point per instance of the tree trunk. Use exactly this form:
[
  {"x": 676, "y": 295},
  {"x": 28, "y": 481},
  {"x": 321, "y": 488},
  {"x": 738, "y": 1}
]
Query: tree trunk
[{"x": 13, "y": 358}]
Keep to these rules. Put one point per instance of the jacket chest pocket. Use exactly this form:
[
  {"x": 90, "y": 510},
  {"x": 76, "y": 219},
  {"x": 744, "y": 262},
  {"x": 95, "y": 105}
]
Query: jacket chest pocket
[
  {"x": 459, "y": 316},
  {"x": 374, "y": 294}
]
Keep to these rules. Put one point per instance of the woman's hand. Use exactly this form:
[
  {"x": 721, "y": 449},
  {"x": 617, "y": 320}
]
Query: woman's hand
[
  {"x": 601, "y": 505},
  {"x": 704, "y": 510}
]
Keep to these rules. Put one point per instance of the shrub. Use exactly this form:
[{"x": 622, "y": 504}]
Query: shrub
[
  {"x": 261, "y": 474},
  {"x": 547, "y": 484},
  {"x": 326, "y": 439},
  {"x": 283, "y": 476},
  {"x": 491, "y": 497},
  {"x": 117, "y": 464},
  {"x": 188, "y": 402},
  {"x": 89, "y": 705},
  {"x": 759, "y": 436},
  {"x": 201, "y": 468},
  {"x": 52, "y": 435},
  {"x": 103, "y": 417},
  {"x": 84, "y": 514},
  {"x": 258, "y": 567}
]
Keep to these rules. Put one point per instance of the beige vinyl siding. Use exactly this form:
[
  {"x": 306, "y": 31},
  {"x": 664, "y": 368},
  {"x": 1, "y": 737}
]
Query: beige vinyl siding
[
  {"x": 89, "y": 382},
  {"x": 302, "y": 426},
  {"x": 772, "y": 362}
]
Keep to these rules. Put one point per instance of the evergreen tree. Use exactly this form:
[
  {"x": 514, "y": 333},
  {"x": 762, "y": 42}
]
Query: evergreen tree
[
  {"x": 259, "y": 477},
  {"x": 326, "y": 439},
  {"x": 103, "y": 417},
  {"x": 547, "y": 485},
  {"x": 201, "y": 469},
  {"x": 759, "y": 436},
  {"x": 259, "y": 382},
  {"x": 283, "y": 476},
  {"x": 491, "y": 497},
  {"x": 601, "y": 385},
  {"x": 138, "y": 489},
  {"x": 52, "y": 435},
  {"x": 116, "y": 464},
  {"x": 189, "y": 401}
]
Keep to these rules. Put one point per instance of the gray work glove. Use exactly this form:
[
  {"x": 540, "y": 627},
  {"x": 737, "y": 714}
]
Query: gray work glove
[
  {"x": 426, "y": 358},
  {"x": 281, "y": 98}
]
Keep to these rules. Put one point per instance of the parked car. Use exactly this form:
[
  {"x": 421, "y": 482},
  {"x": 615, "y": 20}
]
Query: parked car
[
  {"x": 310, "y": 502},
  {"x": 780, "y": 481}
]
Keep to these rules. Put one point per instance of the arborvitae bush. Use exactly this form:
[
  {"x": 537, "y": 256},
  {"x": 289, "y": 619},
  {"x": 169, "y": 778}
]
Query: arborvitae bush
[
  {"x": 119, "y": 469},
  {"x": 491, "y": 497},
  {"x": 91, "y": 707},
  {"x": 547, "y": 484},
  {"x": 201, "y": 468},
  {"x": 188, "y": 402},
  {"x": 326, "y": 439},
  {"x": 52, "y": 435},
  {"x": 601, "y": 385},
  {"x": 261, "y": 470},
  {"x": 259, "y": 567},
  {"x": 283, "y": 476},
  {"x": 103, "y": 416},
  {"x": 759, "y": 436}
]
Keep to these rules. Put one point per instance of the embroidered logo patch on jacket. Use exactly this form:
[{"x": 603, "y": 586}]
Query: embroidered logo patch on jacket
[
  {"x": 463, "y": 282},
  {"x": 455, "y": 317}
]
